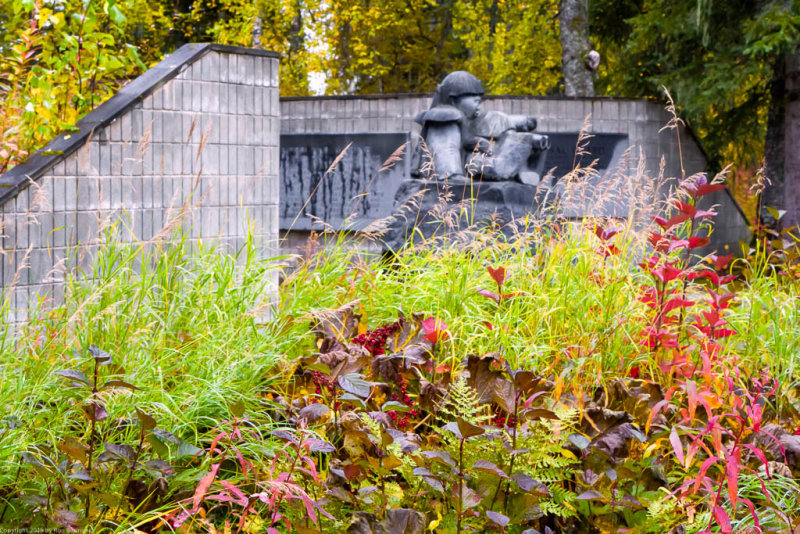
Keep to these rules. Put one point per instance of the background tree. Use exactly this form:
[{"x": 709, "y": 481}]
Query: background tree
[
  {"x": 512, "y": 46},
  {"x": 573, "y": 21},
  {"x": 723, "y": 63},
  {"x": 58, "y": 59},
  {"x": 410, "y": 45}
]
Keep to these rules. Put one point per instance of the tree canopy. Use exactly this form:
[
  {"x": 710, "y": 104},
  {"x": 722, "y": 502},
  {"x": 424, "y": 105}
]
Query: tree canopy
[{"x": 720, "y": 60}]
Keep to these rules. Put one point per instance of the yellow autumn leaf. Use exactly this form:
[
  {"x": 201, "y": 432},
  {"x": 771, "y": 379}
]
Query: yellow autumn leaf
[
  {"x": 435, "y": 523},
  {"x": 651, "y": 448},
  {"x": 566, "y": 453},
  {"x": 393, "y": 490},
  {"x": 44, "y": 17}
]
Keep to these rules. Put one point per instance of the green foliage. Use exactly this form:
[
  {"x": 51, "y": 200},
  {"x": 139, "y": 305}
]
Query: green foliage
[
  {"x": 551, "y": 463},
  {"x": 716, "y": 58},
  {"x": 408, "y": 46},
  {"x": 59, "y": 59}
]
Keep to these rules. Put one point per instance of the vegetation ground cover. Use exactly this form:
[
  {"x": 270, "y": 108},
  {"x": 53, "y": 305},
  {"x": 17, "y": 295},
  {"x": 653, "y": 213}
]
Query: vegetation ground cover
[{"x": 587, "y": 377}]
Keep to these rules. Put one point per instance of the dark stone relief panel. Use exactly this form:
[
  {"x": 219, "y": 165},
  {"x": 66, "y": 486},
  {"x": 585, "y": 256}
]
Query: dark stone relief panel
[
  {"x": 355, "y": 188},
  {"x": 603, "y": 147}
]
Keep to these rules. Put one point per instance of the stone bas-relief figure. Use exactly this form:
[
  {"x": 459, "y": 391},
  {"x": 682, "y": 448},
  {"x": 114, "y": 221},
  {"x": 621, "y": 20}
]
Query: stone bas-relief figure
[{"x": 491, "y": 146}]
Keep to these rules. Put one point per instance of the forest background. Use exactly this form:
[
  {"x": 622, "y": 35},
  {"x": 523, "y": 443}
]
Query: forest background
[{"x": 725, "y": 62}]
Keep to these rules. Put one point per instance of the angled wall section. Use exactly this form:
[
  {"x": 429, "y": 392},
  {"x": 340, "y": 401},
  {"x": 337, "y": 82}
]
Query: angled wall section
[{"x": 199, "y": 129}]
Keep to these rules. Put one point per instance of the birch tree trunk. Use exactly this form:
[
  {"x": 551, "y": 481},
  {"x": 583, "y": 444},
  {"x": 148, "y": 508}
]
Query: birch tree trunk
[
  {"x": 257, "y": 31},
  {"x": 573, "y": 20}
]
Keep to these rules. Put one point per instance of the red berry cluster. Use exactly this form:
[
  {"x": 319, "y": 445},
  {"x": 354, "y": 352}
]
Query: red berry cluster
[
  {"x": 501, "y": 418},
  {"x": 321, "y": 381},
  {"x": 403, "y": 397},
  {"x": 375, "y": 340}
]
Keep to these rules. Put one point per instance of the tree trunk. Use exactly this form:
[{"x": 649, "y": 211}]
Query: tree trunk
[
  {"x": 782, "y": 166},
  {"x": 257, "y": 31},
  {"x": 774, "y": 146},
  {"x": 791, "y": 166},
  {"x": 573, "y": 20}
]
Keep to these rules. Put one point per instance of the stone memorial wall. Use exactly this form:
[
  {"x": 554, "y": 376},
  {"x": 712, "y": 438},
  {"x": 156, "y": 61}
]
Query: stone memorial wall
[
  {"x": 627, "y": 134},
  {"x": 198, "y": 131}
]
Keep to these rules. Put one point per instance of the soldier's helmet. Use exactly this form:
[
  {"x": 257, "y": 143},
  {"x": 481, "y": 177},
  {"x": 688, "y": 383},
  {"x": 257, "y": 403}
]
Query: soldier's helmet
[{"x": 456, "y": 84}]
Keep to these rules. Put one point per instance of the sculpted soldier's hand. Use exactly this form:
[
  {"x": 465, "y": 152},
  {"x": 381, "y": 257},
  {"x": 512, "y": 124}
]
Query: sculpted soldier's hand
[{"x": 483, "y": 145}]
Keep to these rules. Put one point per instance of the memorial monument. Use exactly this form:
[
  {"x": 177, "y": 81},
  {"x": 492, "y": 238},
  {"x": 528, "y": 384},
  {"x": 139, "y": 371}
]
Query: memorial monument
[
  {"x": 462, "y": 140},
  {"x": 492, "y": 159}
]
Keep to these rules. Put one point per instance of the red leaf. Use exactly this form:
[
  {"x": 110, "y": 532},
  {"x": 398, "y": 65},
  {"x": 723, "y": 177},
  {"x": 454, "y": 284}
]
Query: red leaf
[
  {"x": 677, "y": 219},
  {"x": 701, "y": 475},
  {"x": 661, "y": 221},
  {"x": 311, "y": 467},
  {"x": 498, "y": 275},
  {"x": 753, "y": 513},
  {"x": 687, "y": 209},
  {"x": 697, "y": 242},
  {"x": 720, "y": 262},
  {"x": 667, "y": 272},
  {"x": 435, "y": 330},
  {"x": 660, "y": 243},
  {"x": 720, "y": 302},
  {"x": 608, "y": 250},
  {"x": 700, "y": 213},
  {"x": 677, "y": 244},
  {"x": 760, "y": 455},
  {"x": 204, "y": 485},
  {"x": 606, "y": 234},
  {"x": 700, "y": 187},
  {"x": 706, "y": 189},
  {"x": 732, "y": 467},
  {"x": 309, "y": 507},
  {"x": 674, "y": 220},
  {"x": 677, "y": 446},
  {"x": 755, "y": 413},
  {"x": 656, "y": 409},
  {"x": 723, "y": 520},
  {"x": 676, "y": 302},
  {"x": 490, "y": 294},
  {"x": 351, "y": 471},
  {"x": 723, "y": 332},
  {"x": 241, "y": 498}
]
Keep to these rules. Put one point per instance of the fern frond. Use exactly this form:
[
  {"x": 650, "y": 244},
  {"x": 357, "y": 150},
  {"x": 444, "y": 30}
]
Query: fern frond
[{"x": 463, "y": 402}]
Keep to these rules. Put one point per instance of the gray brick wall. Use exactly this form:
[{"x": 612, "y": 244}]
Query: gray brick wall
[{"x": 208, "y": 139}]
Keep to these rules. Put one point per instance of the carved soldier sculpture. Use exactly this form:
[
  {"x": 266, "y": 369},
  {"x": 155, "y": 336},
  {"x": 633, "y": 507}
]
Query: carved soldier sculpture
[{"x": 490, "y": 146}]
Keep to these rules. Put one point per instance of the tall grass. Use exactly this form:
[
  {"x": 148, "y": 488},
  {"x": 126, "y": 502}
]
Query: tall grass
[
  {"x": 200, "y": 329},
  {"x": 184, "y": 322}
]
